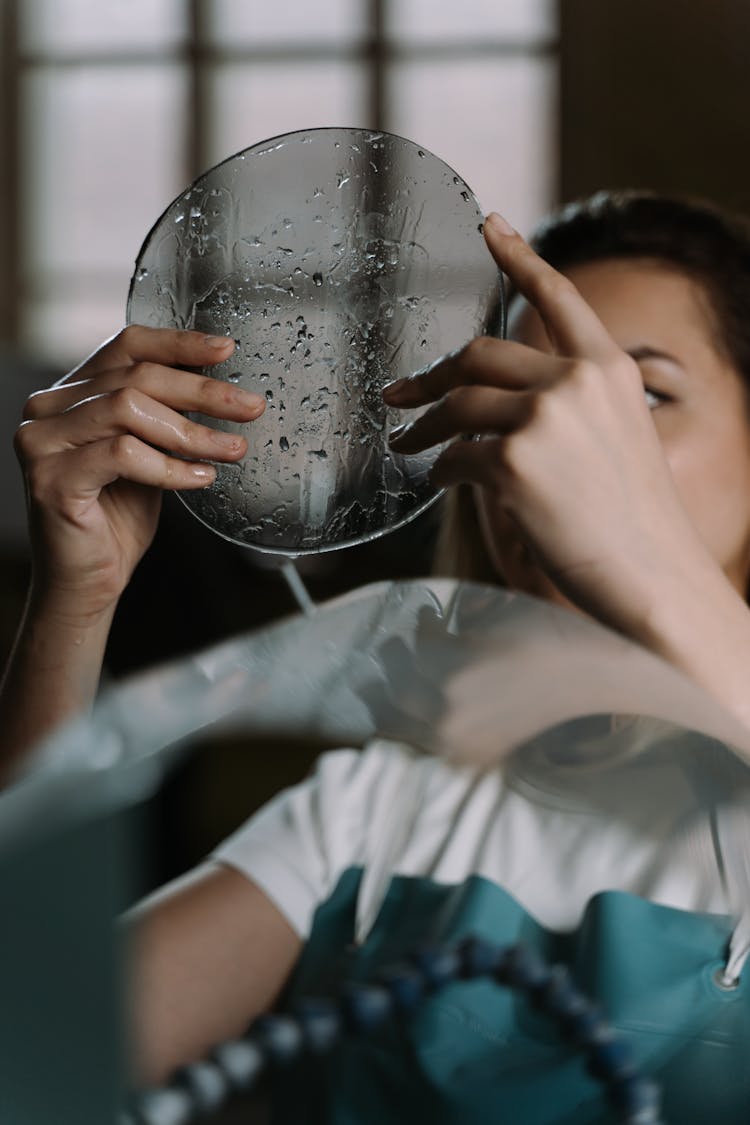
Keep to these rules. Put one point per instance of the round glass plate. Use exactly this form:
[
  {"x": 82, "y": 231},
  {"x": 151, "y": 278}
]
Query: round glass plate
[{"x": 339, "y": 260}]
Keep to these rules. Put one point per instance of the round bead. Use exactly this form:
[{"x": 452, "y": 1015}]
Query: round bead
[
  {"x": 279, "y": 1037},
  {"x": 581, "y": 1021},
  {"x": 438, "y": 965},
  {"x": 557, "y": 994},
  {"x": 636, "y": 1099},
  {"x": 366, "y": 1006},
  {"x": 320, "y": 1022},
  {"x": 164, "y": 1106},
  {"x": 405, "y": 984},
  {"x": 611, "y": 1060},
  {"x": 241, "y": 1060},
  {"x": 522, "y": 968},
  {"x": 478, "y": 958},
  {"x": 206, "y": 1084}
]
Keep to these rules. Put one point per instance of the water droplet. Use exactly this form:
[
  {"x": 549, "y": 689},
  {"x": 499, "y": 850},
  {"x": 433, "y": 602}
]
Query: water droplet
[
  {"x": 195, "y": 213},
  {"x": 283, "y": 444},
  {"x": 319, "y": 453},
  {"x": 142, "y": 274},
  {"x": 423, "y": 343},
  {"x": 420, "y": 153},
  {"x": 342, "y": 179},
  {"x": 264, "y": 377},
  {"x": 317, "y": 279},
  {"x": 235, "y": 377},
  {"x": 465, "y": 196},
  {"x": 269, "y": 395}
]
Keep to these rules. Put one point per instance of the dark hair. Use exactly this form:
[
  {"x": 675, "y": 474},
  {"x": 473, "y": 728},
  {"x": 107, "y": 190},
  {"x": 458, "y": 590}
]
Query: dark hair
[{"x": 697, "y": 238}]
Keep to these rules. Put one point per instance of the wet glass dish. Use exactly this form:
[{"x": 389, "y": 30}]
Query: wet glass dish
[{"x": 339, "y": 260}]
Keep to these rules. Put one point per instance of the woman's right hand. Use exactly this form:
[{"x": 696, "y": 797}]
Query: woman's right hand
[{"x": 98, "y": 447}]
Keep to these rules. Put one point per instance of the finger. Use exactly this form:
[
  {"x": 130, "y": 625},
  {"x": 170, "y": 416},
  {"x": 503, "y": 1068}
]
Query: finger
[
  {"x": 129, "y": 411},
  {"x": 571, "y": 323},
  {"x": 137, "y": 343},
  {"x": 470, "y": 462},
  {"x": 181, "y": 390},
  {"x": 475, "y": 410},
  {"x": 484, "y": 361},
  {"x": 90, "y": 468}
]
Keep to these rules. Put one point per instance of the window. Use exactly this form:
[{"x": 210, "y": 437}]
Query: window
[{"x": 111, "y": 107}]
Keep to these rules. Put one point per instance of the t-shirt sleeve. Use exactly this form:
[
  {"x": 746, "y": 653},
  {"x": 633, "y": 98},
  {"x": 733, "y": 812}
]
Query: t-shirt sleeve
[{"x": 299, "y": 844}]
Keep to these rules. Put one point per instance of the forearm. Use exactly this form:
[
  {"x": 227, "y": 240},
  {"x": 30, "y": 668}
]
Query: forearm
[
  {"x": 702, "y": 627},
  {"x": 53, "y": 672}
]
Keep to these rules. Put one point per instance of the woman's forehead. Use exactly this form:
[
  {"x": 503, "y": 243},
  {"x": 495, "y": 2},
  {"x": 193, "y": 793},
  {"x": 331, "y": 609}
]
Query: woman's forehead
[{"x": 640, "y": 302}]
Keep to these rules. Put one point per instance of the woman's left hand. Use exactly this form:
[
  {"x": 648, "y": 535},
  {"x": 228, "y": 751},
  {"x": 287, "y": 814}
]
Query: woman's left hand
[{"x": 568, "y": 450}]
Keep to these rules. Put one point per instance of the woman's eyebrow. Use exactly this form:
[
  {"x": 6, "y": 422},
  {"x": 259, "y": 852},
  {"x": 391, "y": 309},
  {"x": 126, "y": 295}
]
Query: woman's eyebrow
[{"x": 646, "y": 352}]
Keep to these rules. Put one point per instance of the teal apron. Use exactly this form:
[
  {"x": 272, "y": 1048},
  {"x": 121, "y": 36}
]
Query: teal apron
[{"x": 477, "y": 1053}]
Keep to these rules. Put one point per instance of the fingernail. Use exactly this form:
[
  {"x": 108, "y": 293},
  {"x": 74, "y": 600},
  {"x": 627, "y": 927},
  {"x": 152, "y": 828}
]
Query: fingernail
[
  {"x": 394, "y": 387},
  {"x": 250, "y": 398},
  {"x": 399, "y": 432},
  {"x": 217, "y": 341},
  {"x": 498, "y": 223},
  {"x": 203, "y": 472},
  {"x": 225, "y": 440}
]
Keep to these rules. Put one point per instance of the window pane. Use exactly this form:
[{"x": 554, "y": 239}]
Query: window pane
[
  {"x": 65, "y": 26},
  {"x": 423, "y": 21},
  {"x": 102, "y": 160},
  {"x": 239, "y": 23},
  {"x": 494, "y": 124},
  {"x": 63, "y": 329},
  {"x": 253, "y": 103}
]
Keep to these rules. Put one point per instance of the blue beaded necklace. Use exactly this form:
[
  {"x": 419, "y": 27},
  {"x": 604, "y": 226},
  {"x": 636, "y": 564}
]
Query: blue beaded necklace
[{"x": 315, "y": 1026}]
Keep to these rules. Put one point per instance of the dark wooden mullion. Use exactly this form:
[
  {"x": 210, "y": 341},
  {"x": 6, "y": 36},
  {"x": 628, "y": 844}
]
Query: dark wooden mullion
[
  {"x": 302, "y": 52},
  {"x": 198, "y": 122},
  {"x": 10, "y": 172},
  {"x": 376, "y": 61}
]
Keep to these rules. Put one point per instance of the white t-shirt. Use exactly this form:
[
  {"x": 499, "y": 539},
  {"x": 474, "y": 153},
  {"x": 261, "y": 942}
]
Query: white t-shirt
[{"x": 552, "y": 828}]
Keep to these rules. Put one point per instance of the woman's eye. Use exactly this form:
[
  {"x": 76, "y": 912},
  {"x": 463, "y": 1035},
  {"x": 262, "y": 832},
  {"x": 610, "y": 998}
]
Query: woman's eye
[{"x": 653, "y": 398}]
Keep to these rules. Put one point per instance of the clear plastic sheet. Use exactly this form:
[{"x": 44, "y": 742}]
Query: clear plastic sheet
[
  {"x": 339, "y": 260},
  {"x": 469, "y": 672}
]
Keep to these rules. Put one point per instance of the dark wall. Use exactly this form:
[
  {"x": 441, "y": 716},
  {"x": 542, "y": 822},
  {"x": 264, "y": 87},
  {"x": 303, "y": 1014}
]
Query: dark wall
[{"x": 656, "y": 93}]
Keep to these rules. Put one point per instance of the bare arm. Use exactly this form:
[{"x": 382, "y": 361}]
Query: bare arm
[
  {"x": 209, "y": 953},
  {"x": 571, "y": 466},
  {"x": 96, "y": 450},
  {"x": 53, "y": 672}
]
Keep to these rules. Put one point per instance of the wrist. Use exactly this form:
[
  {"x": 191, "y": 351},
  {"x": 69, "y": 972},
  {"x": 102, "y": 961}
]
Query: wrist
[
  {"x": 701, "y": 625},
  {"x": 64, "y": 611}
]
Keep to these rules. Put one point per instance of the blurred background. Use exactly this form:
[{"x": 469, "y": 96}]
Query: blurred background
[{"x": 109, "y": 108}]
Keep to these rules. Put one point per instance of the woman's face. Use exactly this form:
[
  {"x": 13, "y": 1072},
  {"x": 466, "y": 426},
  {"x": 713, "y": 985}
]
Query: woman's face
[{"x": 663, "y": 319}]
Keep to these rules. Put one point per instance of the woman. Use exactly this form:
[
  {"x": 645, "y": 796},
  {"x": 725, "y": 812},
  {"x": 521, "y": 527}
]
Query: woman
[{"x": 614, "y": 478}]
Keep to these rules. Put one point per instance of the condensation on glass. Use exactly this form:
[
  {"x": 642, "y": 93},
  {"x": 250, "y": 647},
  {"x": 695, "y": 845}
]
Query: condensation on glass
[{"x": 338, "y": 259}]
